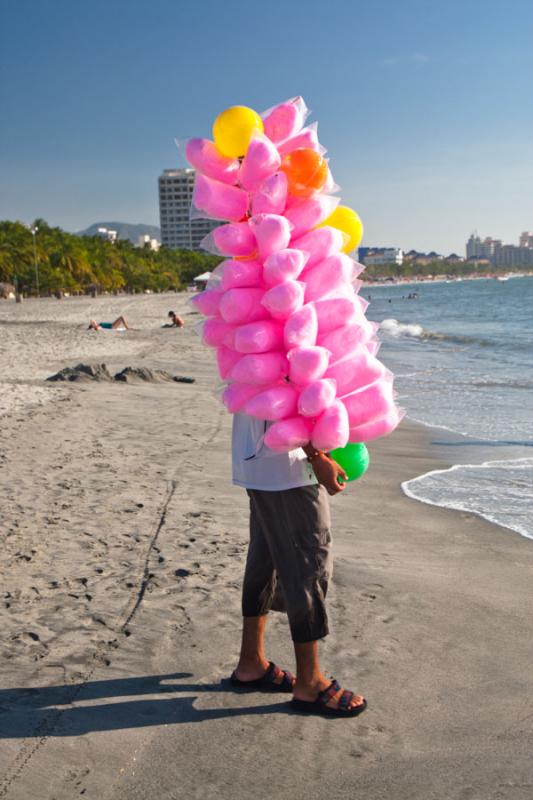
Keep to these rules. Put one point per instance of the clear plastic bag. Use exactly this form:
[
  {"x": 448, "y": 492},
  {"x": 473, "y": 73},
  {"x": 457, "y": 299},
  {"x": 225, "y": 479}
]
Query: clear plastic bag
[{"x": 285, "y": 120}]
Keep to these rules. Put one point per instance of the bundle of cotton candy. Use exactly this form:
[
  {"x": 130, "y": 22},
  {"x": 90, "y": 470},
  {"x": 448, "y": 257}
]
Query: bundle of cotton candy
[{"x": 292, "y": 340}]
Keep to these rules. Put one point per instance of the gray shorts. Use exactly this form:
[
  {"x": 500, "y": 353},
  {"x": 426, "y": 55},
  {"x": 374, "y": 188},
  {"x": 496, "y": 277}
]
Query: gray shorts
[{"x": 289, "y": 558}]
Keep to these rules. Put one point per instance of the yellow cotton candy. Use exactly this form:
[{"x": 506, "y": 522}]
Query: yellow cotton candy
[
  {"x": 346, "y": 220},
  {"x": 233, "y": 129}
]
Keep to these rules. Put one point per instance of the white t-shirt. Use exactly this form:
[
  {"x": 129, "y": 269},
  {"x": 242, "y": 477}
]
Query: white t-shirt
[{"x": 256, "y": 466}]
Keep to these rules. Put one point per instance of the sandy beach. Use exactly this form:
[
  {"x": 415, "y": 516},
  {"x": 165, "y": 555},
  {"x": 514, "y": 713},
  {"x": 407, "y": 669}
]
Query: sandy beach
[{"x": 122, "y": 552}]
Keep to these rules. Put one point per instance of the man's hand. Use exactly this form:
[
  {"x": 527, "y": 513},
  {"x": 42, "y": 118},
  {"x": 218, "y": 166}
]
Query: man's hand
[{"x": 328, "y": 473}]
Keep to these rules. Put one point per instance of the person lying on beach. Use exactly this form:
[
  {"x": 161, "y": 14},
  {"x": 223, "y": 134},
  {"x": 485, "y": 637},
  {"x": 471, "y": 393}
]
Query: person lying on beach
[
  {"x": 120, "y": 322},
  {"x": 176, "y": 320},
  {"x": 288, "y": 566}
]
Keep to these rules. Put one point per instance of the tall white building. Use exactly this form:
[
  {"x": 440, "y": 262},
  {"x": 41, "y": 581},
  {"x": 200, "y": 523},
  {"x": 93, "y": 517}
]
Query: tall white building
[
  {"x": 499, "y": 254},
  {"x": 175, "y": 196},
  {"x": 482, "y": 248}
]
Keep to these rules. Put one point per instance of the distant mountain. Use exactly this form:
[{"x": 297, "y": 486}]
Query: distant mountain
[{"x": 125, "y": 230}]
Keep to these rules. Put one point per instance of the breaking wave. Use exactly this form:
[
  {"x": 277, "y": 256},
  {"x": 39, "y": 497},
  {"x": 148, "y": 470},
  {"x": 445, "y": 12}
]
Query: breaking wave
[{"x": 391, "y": 327}]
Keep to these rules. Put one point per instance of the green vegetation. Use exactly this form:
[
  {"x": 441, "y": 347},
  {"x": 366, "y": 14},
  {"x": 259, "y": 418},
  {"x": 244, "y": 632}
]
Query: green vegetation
[
  {"x": 459, "y": 269},
  {"x": 75, "y": 264}
]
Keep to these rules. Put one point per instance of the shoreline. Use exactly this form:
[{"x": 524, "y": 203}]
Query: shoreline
[
  {"x": 451, "y": 279},
  {"x": 512, "y": 455}
]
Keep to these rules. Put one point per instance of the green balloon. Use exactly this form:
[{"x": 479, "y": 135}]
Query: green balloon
[{"x": 353, "y": 459}]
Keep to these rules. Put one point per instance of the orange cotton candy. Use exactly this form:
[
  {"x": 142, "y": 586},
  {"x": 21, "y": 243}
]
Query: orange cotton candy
[{"x": 306, "y": 171}]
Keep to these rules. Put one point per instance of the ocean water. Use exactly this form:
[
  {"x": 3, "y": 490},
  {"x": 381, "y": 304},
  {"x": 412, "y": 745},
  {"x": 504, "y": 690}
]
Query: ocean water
[{"x": 462, "y": 354}]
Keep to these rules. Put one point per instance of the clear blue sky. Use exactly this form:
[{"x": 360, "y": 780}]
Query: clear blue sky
[{"x": 425, "y": 107}]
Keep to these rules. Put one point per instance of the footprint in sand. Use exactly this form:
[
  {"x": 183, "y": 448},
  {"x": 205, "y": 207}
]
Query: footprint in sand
[{"x": 182, "y": 573}]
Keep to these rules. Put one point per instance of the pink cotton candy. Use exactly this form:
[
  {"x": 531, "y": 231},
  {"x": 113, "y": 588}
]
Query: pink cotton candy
[
  {"x": 308, "y": 138},
  {"x": 259, "y": 337},
  {"x": 226, "y": 360},
  {"x": 378, "y": 427},
  {"x": 260, "y": 368},
  {"x": 347, "y": 338},
  {"x": 319, "y": 243},
  {"x": 241, "y": 274},
  {"x": 369, "y": 403},
  {"x": 373, "y": 346},
  {"x": 283, "y": 266},
  {"x": 362, "y": 303},
  {"x": 316, "y": 397},
  {"x": 336, "y": 311},
  {"x": 309, "y": 213},
  {"x": 330, "y": 187},
  {"x": 271, "y": 198},
  {"x": 288, "y": 434},
  {"x": 236, "y": 395},
  {"x": 240, "y": 306},
  {"x": 307, "y": 364},
  {"x": 207, "y": 303},
  {"x": 235, "y": 239},
  {"x": 285, "y": 119},
  {"x": 214, "y": 332},
  {"x": 219, "y": 200},
  {"x": 277, "y": 402},
  {"x": 355, "y": 371},
  {"x": 301, "y": 328},
  {"x": 327, "y": 276},
  {"x": 346, "y": 290},
  {"x": 331, "y": 429},
  {"x": 283, "y": 300},
  {"x": 229, "y": 338},
  {"x": 204, "y": 156},
  {"x": 272, "y": 233},
  {"x": 260, "y": 162}
]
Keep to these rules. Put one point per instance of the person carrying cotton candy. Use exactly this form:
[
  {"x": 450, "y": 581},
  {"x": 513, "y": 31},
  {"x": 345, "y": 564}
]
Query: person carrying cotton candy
[{"x": 298, "y": 358}]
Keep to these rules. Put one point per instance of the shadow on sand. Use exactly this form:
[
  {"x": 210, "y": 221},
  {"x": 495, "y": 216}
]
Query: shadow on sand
[{"x": 58, "y": 710}]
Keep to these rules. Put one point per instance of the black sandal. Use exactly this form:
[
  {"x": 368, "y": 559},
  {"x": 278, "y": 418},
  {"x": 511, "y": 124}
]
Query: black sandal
[
  {"x": 319, "y": 706},
  {"x": 267, "y": 683}
]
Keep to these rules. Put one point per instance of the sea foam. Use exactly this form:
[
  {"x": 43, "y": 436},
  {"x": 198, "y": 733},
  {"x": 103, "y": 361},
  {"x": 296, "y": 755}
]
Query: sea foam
[{"x": 471, "y": 488}]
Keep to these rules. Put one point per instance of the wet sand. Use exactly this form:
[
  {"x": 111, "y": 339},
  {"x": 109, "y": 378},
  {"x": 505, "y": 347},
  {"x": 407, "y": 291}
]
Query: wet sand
[{"x": 123, "y": 546}]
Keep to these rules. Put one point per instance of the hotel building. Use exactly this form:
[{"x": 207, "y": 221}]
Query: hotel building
[
  {"x": 175, "y": 196},
  {"x": 376, "y": 256},
  {"x": 499, "y": 254}
]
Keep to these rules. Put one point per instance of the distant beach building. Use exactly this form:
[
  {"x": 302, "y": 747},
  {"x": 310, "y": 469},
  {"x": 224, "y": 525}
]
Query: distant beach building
[
  {"x": 499, "y": 254},
  {"x": 419, "y": 259},
  {"x": 145, "y": 239},
  {"x": 107, "y": 234},
  {"x": 175, "y": 196},
  {"x": 374, "y": 256},
  {"x": 526, "y": 239},
  {"x": 481, "y": 248},
  {"x": 509, "y": 255}
]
